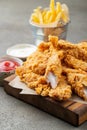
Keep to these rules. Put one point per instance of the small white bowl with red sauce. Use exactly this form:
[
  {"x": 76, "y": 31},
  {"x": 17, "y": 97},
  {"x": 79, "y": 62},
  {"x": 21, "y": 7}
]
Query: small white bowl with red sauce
[{"x": 8, "y": 64}]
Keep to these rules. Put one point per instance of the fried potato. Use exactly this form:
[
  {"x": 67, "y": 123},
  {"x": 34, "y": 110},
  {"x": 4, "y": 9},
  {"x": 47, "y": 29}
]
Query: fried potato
[{"x": 58, "y": 12}]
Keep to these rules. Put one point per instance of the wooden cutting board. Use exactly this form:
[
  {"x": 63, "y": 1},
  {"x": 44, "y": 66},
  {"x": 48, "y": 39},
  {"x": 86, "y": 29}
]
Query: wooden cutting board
[{"x": 72, "y": 112}]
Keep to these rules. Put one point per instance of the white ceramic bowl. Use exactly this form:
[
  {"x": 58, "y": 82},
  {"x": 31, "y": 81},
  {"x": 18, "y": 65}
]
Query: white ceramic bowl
[
  {"x": 4, "y": 73},
  {"x": 21, "y": 51}
]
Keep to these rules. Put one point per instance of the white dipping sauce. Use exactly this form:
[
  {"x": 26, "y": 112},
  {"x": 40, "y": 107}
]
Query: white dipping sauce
[{"x": 21, "y": 50}]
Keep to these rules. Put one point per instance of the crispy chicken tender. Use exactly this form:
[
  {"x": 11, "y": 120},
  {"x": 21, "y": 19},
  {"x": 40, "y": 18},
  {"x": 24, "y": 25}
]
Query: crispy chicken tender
[
  {"x": 56, "y": 69},
  {"x": 77, "y": 78},
  {"x": 77, "y": 82},
  {"x": 54, "y": 65},
  {"x": 73, "y": 49},
  {"x": 39, "y": 61},
  {"x": 83, "y": 45},
  {"x": 62, "y": 91},
  {"x": 75, "y": 63},
  {"x": 66, "y": 70}
]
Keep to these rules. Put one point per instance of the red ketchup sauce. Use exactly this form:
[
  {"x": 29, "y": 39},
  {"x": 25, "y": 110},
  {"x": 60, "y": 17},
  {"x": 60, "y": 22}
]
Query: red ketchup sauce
[{"x": 8, "y": 65}]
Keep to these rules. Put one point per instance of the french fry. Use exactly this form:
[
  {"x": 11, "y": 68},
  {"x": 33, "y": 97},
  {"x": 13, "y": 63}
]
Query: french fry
[
  {"x": 47, "y": 17},
  {"x": 52, "y": 5},
  {"x": 58, "y": 17},
  {"x": 44, "y": 16},
  {"x": 50, "y": 19},
  {"x": 40, "y": 17},
  {"x": 64, "y": 16},
  {"x": 56, "y": 12},
  {"x": 58, "y": 7},
  {"x": 35, "y": 18},
  {"x": 65, "y": 8}
]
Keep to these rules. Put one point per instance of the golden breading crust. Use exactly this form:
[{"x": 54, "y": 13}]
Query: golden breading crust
[
  {"x": 77, "y": 82},
  {"x": 56, "y": 69},
  {"x": 62, "y": 91},
  {"x": 79, "y": 51},
  {"x": 83, "y": 45},
  {"x": 72, "y": 62}
]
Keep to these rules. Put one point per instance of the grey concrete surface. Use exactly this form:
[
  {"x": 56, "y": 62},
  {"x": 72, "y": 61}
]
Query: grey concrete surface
[{"x": 14, "y": 28}]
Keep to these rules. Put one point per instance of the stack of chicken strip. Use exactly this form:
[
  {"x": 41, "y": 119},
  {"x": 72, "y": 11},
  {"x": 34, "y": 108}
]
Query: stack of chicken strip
[{"x": 56, "y": 69}]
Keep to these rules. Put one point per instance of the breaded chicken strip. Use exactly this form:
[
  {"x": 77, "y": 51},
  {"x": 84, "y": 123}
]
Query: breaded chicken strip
[
  {"x": 54, "y": 68},
  {"x": 65, "y": 45},
  {"x": 62, "y": 91},
  {"x": 72, "y": 49},
  {"x": 77, "y": 82},
  {"x": 35, "y": 81},
  {"x": 78, "y": 53},
  {"x": 83, "y": 45},
  {"x": 66, "y": 70},
  {"x": 75, "y": 63},
  {"x": 77, "y": 78}
]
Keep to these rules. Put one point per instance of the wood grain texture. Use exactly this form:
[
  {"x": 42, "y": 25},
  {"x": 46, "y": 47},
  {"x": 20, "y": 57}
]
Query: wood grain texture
[{"x": 72, "y": 112}]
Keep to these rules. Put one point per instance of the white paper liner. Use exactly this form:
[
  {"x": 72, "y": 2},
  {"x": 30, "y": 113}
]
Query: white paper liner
[{"x": 16, "y": 83}]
